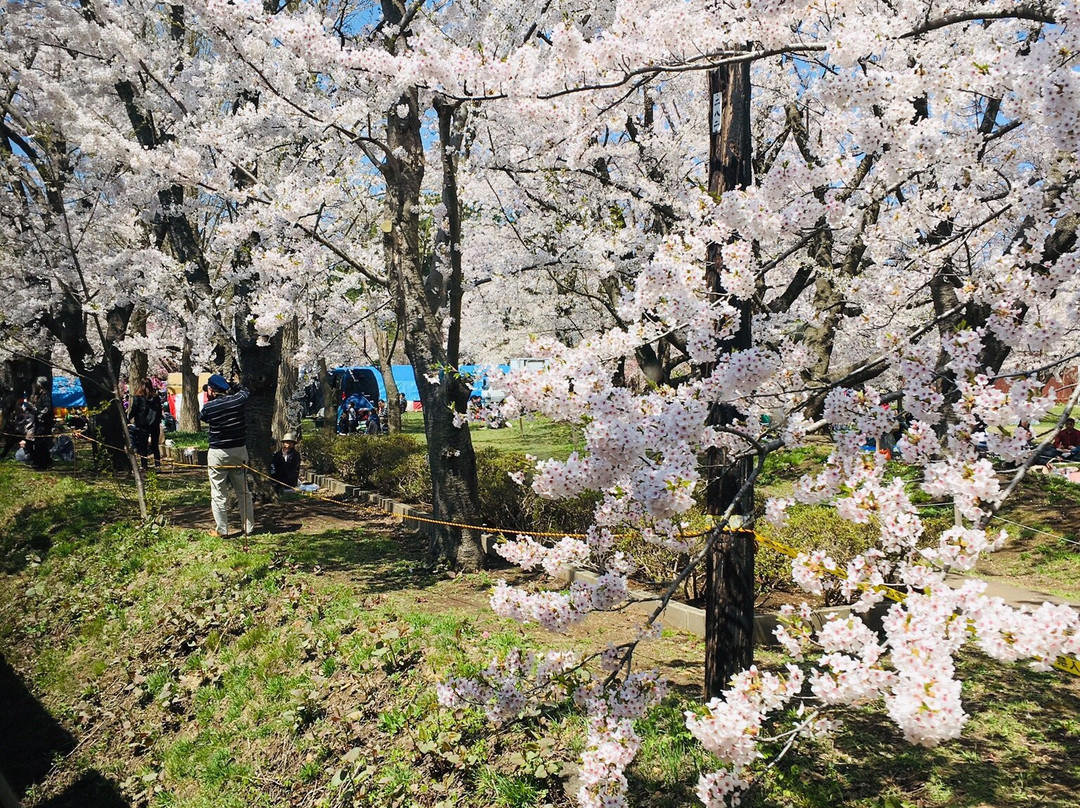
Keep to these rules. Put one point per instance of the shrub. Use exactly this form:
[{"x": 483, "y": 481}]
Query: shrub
[
  {"x": 414, "y": 484},
  {"x": 510, "y": 506},
  {"x": 373, "y": 461},
  {"x": 809, "y": 528},
  {"x": 317, "y": 450}
]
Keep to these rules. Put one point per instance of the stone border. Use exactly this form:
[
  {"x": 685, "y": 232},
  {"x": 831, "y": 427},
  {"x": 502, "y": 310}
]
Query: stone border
[{"x": 676, "y": 615}]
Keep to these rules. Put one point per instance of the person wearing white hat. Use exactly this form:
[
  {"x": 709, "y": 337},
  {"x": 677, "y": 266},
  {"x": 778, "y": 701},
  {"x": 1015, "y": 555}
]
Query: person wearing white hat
[{"x": 285, "y": 464}]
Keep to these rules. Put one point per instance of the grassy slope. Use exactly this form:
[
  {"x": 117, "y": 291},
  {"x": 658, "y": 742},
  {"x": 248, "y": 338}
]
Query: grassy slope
[{"x": 299, "y": 671}]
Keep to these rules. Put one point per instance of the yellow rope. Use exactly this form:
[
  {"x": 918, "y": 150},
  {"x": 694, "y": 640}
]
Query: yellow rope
[{"x": 1065, "y": 663}]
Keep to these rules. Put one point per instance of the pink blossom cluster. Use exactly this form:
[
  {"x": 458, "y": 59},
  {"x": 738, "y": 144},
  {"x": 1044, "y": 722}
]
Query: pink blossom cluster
[
  {"x": 971, "y": 483},
  {"x": 556, "y": 611},
  {"x": 960, "y": 547},
  {"x": 503, "y": 689},
  {"x": 1041, "y": 634},
  {"x": 612, "y": 742},
  {"x": 730, "y": 727},
  {"x": 715, "y": 788},
  {"x": 530, "y": 554}
]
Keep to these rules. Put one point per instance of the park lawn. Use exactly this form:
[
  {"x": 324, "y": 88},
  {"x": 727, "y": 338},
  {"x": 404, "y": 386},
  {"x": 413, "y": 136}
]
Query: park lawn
[
  {"x": 533, "y": 435},
  {"x": 1042, "y": 519},
  {"x": 188, "y": 671}
]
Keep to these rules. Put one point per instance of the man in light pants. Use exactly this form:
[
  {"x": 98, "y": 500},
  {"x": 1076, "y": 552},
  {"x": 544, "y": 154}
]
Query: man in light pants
[{"x": 225, "y": 413}]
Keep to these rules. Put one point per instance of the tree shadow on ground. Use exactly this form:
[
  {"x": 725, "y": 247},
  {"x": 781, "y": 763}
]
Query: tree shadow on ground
[
  {"x": 31, "y": 742},
  {"x": 378, "y": 561},
  {"x": 1013, "y": 752},
  {"x": 34, "y": 529}
]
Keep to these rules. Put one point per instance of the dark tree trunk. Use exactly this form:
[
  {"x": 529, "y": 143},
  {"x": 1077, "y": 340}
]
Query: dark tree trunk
[
  {"x": 450, "y": 451},
  {"x": 138, "y": 364},
  {"x": 188, "y": 420},
  {"x": 286, "y": 405},
  {"x": 98, "y": 373},
  {"x": 729, "y": 596},
  {"x": 329, "y": 399}
]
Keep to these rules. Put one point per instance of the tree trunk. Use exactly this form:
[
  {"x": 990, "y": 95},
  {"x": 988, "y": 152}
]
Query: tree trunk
[
  {"x": 450, "y": 451},
  {"x": 188, "y": 420},
  {"x": 384, "y": 346},
  {"x": 287, "y": 410},
  {"x": 326, "y": 393},
  {"x": 138, "y": 364},
  {"x": 729, "y": 595}
]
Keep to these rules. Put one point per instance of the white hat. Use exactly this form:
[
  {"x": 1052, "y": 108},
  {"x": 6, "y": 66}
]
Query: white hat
[{"x": 288, "y": 436}]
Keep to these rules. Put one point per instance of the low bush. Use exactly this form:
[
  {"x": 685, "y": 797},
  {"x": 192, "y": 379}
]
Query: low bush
[
  {"x": 373, "y": 461},
  {"x": 317, "y": 450},
  {"x": 809, "y": 528},
  {"x": 510, "y": 506},
  {"x": 397, "y": 465}
]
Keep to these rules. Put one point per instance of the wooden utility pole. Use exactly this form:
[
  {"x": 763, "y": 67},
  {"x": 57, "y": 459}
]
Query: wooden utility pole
[{"x": 729, "y": 568}]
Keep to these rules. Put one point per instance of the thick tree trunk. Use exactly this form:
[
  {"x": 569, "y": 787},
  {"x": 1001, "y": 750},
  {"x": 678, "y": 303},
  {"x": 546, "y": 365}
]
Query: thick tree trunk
[
  {"x": 99, "y": 374},
  {"x": 138, "y": 364},
  {"x": 450, "y": 451},
  {"x": 188, "y": 420},
  {"x": 729, "y": 596},
  {"x": 287, "y": 410}
]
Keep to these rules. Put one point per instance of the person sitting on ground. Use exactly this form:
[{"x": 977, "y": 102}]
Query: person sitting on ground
[
  {"x": 1067, "y": 441},
  {"x": 15, "y": 422},
  {"x": 285, "y": 464}
]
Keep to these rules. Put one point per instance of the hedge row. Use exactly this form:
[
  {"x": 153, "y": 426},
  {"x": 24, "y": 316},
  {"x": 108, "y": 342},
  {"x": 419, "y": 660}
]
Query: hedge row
[{"x": 397, "y": 465}]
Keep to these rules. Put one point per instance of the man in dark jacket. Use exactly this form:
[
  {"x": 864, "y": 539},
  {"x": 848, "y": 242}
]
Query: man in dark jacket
[
  {"x": 225, "y": 413},
  {"x": 39, "y": 439},
  {"x": 285, "y": 465}
]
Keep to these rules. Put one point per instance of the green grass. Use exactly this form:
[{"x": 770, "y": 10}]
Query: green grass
[
  {"x": 199, "y": 440},
  {"x": 301, "y": 671},
  {"x": 535, "y": 435}
]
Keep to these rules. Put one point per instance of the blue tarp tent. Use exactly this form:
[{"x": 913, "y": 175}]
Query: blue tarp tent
[
  {"x": 406, "y": 382},
  {"x": 405, "y": 379},
  {"x": 67, "y": 392}
]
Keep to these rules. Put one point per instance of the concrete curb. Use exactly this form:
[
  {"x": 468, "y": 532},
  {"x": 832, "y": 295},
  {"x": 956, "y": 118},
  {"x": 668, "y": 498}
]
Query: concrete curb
[{"x": 678, "y": 616}]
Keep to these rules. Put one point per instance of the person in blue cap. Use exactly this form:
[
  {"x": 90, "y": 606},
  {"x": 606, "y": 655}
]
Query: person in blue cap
[{"x": 225, "y": 413}]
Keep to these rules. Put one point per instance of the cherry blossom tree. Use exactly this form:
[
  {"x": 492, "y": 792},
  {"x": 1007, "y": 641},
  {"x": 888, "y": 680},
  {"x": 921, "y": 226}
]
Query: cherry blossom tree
[
  {"x": 908, "y": 235},
  {"x": 930, "y": 273}
]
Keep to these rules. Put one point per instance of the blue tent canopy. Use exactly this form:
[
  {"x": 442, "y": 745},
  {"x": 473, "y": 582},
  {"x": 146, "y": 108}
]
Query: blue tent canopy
[
  {"x": 479, "y": 374},
  {"x": 67, "y": 392},
  {"x": 405, "y": 380}
]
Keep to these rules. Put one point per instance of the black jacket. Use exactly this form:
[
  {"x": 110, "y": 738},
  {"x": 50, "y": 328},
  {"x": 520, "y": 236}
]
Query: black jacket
[{"x": 285, "y": 470}]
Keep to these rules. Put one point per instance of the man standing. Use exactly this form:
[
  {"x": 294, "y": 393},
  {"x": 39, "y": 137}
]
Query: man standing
[
  {"x": 39, "y": 434},
  {"x": 225, "y": 413}
]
